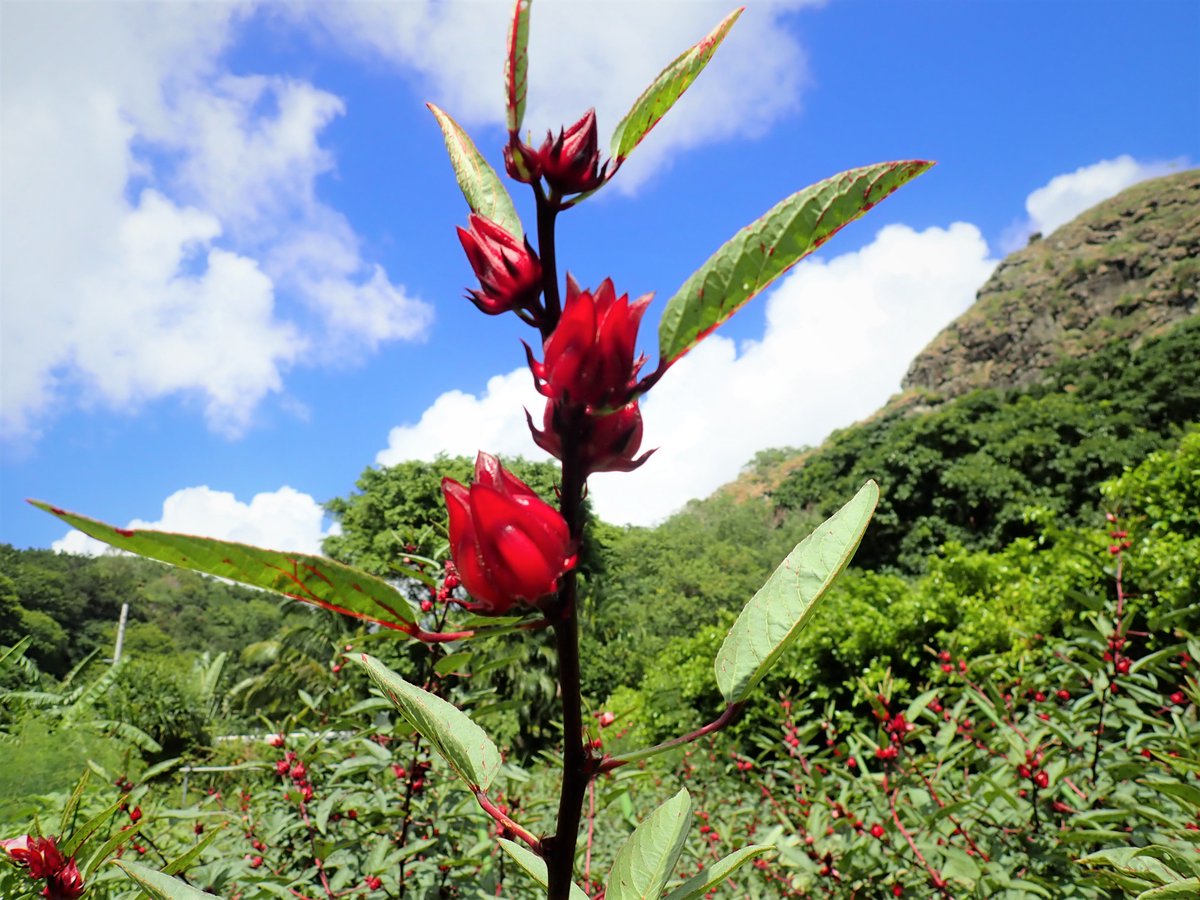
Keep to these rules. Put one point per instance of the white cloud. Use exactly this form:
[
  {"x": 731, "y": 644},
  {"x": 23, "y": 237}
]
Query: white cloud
[
  {"x": 1064, "y": 197},
  {"x": 285, "y": 519},
  {"x": 600, "y": 53},
  {"x": 162, "y": 230},
  {"x": 461, "y": 424},
  {"x": 838, "y": 339}
]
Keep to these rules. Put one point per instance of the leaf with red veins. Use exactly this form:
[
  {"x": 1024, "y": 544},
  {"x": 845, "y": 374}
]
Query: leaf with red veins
[{"x": 310, "y": 579}]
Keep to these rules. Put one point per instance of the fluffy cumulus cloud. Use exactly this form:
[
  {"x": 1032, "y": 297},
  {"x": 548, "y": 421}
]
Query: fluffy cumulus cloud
[
  {"x": 603, "y": 53},
  {"x": 1065, "y": 196},
  {"x": 163, "y": 234},
  {"x": 285, "y": 519},
  {"x": 839, "y": 336}
]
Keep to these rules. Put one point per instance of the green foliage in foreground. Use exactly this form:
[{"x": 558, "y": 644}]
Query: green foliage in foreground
[{"x": 968, "y": 470}]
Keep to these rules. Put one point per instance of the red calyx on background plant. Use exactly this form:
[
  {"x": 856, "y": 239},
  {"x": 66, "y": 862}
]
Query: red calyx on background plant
[
  {"x": 589, "y": 356},
  {"x": 509, "y": 273},
  {"x": 570, "y": 163},
  {"x": 509, "y": 546}
]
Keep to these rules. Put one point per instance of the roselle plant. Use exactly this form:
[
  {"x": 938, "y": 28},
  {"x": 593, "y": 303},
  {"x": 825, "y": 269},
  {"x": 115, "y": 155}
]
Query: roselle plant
[{"x": 515, "y": 556}]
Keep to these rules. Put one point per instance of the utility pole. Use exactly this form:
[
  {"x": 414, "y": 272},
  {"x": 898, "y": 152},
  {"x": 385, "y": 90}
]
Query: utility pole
[{"x": 120, "y": 633}]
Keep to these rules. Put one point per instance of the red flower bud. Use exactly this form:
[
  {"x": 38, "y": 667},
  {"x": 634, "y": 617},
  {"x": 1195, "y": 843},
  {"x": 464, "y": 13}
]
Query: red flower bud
[
  {"x": 1063, "y": 694},
  {"x": 508, "y": 544},
  {"x": 44, "y": 860},
  {"x": 1178, "y": 698},
  {"x": 606, "y": 718},
  {"x": 65, "y": 884},
  {"x": 571, "y": 163},
  {"x": 877, "y": 830},
  {"x": 1041, "y": 779},
  {"x": 589, "y": 357},
  {"x": 1123, "y": 665},
  {"x": 607, "y": 443},
  {"x": 522, "y": 162},
  {"x": 509, "y": 273}
]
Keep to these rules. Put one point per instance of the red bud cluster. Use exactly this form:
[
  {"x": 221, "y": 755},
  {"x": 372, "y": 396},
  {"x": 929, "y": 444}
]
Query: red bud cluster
[
  {"x": 45, "y": 861},
  {"x": 1032, "y": 769},
  {"x": 509, "y": 546}
]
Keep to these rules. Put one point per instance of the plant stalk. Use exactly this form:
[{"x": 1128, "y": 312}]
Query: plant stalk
[{"x": 578, "y": 765}]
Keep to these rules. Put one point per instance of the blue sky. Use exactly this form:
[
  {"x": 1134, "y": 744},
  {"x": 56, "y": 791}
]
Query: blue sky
[{"x": 229, "y": 279}]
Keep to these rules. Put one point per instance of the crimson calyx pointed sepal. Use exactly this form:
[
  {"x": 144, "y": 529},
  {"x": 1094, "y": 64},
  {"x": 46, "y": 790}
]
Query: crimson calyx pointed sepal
[
  {"x": 509, "y": 546},
  {"x": 508, "y": 269}
]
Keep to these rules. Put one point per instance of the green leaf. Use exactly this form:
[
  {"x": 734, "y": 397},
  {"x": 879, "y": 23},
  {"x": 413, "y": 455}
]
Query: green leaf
[
  {"x": 453, "y": 664},
  {"x": 184, "y": 860},
  {"x": 73, "y": 803},
  {"x": 481, "y": 186},
  {"x": 310, "y": 579},
  {"x": 774, "y": 617},
  {"x": 516, "y": 66},
  {"x": 1189, "y": 888},
  {"x": 707, "y": 879},
  {"x": 465, "y": 746},
  {"x": 158, "y": 885},
  {"x": 668, "y": 87},
  {"x": 106, "y": 849},
  {"x": 647, "y": 859},
  {"x": 765, "y": 249},
  {"x": 80, "y": 835},
  {"x": 534, "y": 866}
]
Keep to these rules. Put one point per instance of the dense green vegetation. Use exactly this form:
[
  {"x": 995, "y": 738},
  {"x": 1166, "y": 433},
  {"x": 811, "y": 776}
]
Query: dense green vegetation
[{"x": 970, "y": 469}]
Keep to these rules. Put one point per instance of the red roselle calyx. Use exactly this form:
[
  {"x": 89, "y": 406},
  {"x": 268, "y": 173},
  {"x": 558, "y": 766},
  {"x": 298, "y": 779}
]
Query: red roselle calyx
[
  {"x": 509, "y": 273},
  {"x": 606, "y": 443},
  {"x": 570, "y": 163},
  {"x": 589, "y": 356},
  {"x": 44, "y": 860},
  {"x": 509, "y": 546}
]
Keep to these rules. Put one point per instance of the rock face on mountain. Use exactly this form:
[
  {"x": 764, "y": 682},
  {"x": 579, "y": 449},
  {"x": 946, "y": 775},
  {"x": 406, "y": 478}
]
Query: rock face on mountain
[{"x": 1127, "y": 268}]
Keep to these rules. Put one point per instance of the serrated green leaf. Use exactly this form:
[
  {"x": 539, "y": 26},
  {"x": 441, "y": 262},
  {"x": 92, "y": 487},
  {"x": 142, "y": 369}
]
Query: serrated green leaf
[
  {"x": 452, "y": 663},
  {"x": 516, "y": 66},
  {"x": 158, "y": 885},
  {"x": 159, "y": 768},
  {"x": 106, "y": 849},
  {"x": 72, "y": 845},
  {"x": 481, "y": 186},
  {"x": 534, "y": 866},
  {"x": 310, "y": 579},
  {"x": 463, "y": 744},
  {"x": 1189, "y": 888},
  {"x": 73, "y": 802},
  {"x": 705, "y": 880},
  {"x": 1187, "y": 794},
  {"x": 647, "y": 859},
  {"x": 765, "y": 249},
  {"x": 774, "y": 617},
  {"x": 668, "y": 87},
  {"x": 181, "y": 862}
]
